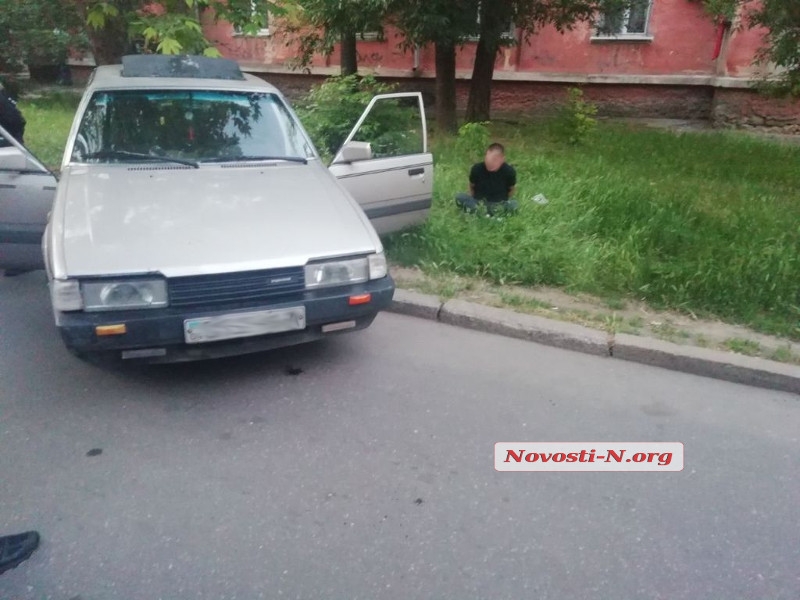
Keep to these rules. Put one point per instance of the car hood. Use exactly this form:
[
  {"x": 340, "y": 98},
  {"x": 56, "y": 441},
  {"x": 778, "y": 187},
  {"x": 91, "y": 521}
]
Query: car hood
[{"x": 125, "y": 220}]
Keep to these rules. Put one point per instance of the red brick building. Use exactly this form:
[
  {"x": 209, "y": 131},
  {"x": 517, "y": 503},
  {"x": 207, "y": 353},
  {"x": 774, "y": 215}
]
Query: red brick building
[{"x": 668, "y": 60}]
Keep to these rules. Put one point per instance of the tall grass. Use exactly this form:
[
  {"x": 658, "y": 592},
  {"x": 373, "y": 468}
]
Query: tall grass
[
  {"x": 702, "y": 222},
  {"x": 49, "y": 118}
]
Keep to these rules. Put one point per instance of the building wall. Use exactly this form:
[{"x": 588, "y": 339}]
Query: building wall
[
  {"x": 743, "y": 108},
  {"x": 672, "y": 73},
  {"x": 682, "y": 42}
]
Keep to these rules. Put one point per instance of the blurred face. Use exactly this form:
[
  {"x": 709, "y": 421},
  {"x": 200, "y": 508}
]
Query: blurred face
[{"x": 494, "y": 160}]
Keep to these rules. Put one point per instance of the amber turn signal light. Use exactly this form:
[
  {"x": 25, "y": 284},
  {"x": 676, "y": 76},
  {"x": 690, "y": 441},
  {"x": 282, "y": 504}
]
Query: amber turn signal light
[
  {"x": 120, "y": 329},
  {"x": 360, "y": 299}
]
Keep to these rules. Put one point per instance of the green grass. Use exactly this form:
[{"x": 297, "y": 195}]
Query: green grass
[
  {"x": 740, "y": 346},
  {"x": 785, "y": 354},
  {"x": 49, "y": 118},
  {"x": 700, "y": 222}
]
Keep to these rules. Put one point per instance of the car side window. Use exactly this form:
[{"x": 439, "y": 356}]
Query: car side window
[{"x": 393, "y": 128}]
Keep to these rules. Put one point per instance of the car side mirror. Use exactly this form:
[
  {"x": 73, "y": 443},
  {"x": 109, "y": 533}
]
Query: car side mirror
[
  {"x": 354, "y": 152},
  {"x": 13, "y": 159}
]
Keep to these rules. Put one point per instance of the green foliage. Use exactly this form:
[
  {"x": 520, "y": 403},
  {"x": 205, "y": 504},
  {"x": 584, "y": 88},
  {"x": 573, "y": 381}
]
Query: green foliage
[
  {"x": 742, "y": 346},
  {"x": 782, "y": 42},
  {"x": 528, "y": 17},
  {"x": 473, "y": 139},
  {"x": 701, "y": 222},
  {"x": 576, "y": 119},
  {"x": 725, "y": 9},
  {"x": 436, "y": 21},
  {"x": 37, "y": 32},
  {"x": 98, "y": 13},
  {"x": 319, "y": 24},
  {"x": 332, "y": 108},
  {"x": 173, "y": 26},
  {"x": 780, "y": 53},
  {"x": 172, "y": 34}
]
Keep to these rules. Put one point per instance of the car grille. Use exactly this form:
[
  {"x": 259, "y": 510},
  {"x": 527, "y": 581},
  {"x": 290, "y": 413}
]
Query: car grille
[{"x": 247, "y": 288}]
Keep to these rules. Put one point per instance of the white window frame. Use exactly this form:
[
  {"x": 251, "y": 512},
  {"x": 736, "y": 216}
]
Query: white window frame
[
  {"x": 263, "y": 32},
  {"x": 623, "y": 33}
]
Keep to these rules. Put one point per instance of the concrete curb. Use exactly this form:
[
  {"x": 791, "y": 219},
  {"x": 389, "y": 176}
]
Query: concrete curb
[
  {"x": 728, "y": 366},
  {"x": 527, "y": 327},
  {"x": 688, "y": 359}
]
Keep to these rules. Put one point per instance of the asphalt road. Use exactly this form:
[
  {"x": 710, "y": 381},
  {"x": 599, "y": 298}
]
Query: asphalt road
[{"x": 370, "y": 473}]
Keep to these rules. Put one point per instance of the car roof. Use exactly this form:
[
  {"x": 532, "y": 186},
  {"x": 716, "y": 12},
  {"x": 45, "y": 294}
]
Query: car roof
[{"x": 111, "y": 77}]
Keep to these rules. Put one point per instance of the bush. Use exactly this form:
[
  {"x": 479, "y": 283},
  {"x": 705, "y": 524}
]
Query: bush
[
  {"x": 576, "y": 120},
  {"x": 37, "y": 32},
  {"x": 473, "y": 139},
  {"x": 331, "y": 109}
]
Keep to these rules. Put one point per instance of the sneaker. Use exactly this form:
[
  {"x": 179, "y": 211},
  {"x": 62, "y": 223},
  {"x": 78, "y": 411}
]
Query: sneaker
[{"x": 16, "y": 548}]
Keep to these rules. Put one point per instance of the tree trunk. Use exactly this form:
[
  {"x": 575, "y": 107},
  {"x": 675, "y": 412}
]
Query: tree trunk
[
  {"x": 110, "y": 43},
  {"x": 494, "y": 17},
  {"x": 480, "y": 89},
  {"x": 349, "y": 56},
  {"x": 446, "y": 120}
]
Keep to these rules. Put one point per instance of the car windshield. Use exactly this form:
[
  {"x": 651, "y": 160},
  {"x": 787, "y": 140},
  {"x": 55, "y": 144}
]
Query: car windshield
[{"x": 189, "y": 126}]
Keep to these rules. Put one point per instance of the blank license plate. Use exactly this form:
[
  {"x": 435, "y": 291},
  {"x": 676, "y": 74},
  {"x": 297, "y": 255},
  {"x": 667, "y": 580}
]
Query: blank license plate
[{"x": 240, "y": 325}]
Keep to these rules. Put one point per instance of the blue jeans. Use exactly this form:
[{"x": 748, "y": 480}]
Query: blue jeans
[{"x": 469, "y": 204}]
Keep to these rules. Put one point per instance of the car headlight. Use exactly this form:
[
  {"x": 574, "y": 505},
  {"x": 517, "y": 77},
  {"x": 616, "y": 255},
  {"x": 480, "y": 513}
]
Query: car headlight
[
  {"x": 337, "y": 272},
  {"x": 124, "y": 294},
  {"x": 346, "y": 272}
]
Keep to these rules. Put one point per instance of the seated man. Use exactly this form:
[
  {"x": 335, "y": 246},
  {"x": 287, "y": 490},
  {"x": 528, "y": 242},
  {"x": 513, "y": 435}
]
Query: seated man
[{"x": 492, "y": 182}]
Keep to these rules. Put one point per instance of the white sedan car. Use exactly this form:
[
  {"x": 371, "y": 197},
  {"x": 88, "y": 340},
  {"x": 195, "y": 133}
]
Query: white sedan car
[{"x": 193, "y": 217}]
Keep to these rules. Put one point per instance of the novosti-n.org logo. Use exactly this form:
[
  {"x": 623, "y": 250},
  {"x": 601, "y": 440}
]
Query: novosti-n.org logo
[{"x": 588, "y": 456}]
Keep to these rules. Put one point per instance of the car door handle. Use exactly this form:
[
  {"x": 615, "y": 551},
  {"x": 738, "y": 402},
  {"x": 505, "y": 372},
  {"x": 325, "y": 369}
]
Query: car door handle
[
  {"x": 415, "y": 172},
  {"x": 7, "y": 186}
]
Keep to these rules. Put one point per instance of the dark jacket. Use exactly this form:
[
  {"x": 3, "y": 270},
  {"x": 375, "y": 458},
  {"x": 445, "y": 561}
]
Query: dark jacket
[{"x": 10, "y": 118}]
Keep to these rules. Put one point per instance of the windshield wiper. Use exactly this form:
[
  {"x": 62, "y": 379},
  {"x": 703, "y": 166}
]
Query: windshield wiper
[
  {"x": 143, "y": 156},
  {"x": 250, "y": 158}
]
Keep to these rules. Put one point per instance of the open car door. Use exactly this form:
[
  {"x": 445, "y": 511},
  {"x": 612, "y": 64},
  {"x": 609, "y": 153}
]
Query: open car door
[
  {"x": 385, "y": 164},
  {"x": 27, "y": 190}
]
